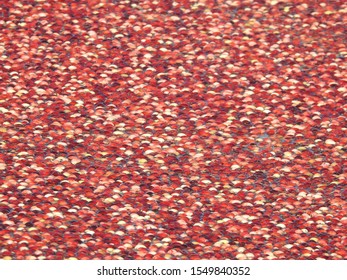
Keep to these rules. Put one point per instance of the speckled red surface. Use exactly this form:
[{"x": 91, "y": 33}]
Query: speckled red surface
[{"x": 173, "y": 130}]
